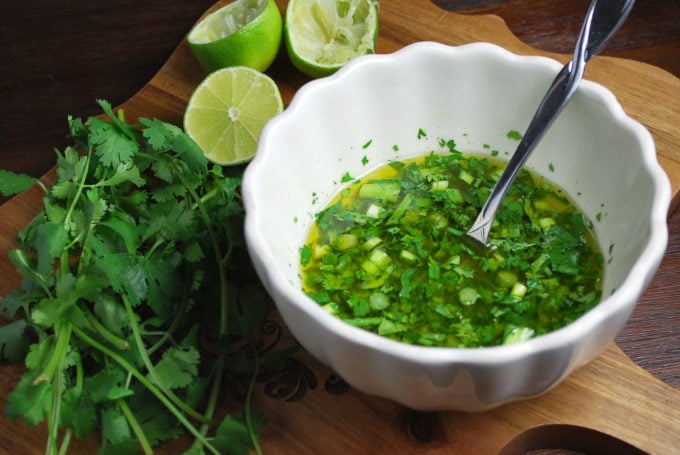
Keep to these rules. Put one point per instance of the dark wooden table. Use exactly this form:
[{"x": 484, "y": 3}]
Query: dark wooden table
[{"x": 57, "y": 57}]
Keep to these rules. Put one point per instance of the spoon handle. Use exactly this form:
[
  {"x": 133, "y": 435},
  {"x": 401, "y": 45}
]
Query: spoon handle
[{"x": 601, "y": 23}]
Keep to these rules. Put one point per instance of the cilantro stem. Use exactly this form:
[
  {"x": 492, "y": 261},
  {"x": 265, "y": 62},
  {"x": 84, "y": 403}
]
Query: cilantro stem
[
  {"x": 152, "y": 370},
  {"x": 79, "y": 190},
  {"x": 79, "y": 372},
  {"x": 160, "y": 241},
  {"x": 23, "y": 264},
  {"x": 53, "y": 417},
  {"x": 206, "y": 197},
  {"x": 212, "y": 399},
  {"x": 63, "y": 336},
  {"x": 224, "y": 308},
  {"x": 63, "y": 262},
  {"x": 248, "y": 406},
  {"x": 53, "y": 371},
  {"x": 117, "y": 341},
  {"x": 65, "y": 442},
  {"x": 180, "y": 316},
  {"x": 42, "y": 185},
  {"x": 136, "y": 427},
  {"x": 224, "y": 319},
  {"x": 146, "y": 383}
]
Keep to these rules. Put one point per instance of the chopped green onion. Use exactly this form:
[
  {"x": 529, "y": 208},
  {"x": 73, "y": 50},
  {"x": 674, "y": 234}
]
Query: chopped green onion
[
  {"x": 439, "y": 185},
  {"x": 408, "y": 256},
  {"x": 386, "y": 190},
  {"x": 466, "y": 177},
  {"x": 546, "y": 223},
  {"x": 380, "y": 258},
  {"x": 345, "y": 241},
  {"x": 519, "y": 290},
  {"x": 518, "y": 334},
  {"x": 371, "y": 243},
  {"x": 468, "y": 296},
  {"x": 506, "y": 279},
  {"x": 374, "y": 210},
  {"x": 378, "y": 301}
]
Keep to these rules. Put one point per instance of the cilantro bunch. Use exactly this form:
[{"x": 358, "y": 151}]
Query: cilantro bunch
[{"x": 129, "y": 318}]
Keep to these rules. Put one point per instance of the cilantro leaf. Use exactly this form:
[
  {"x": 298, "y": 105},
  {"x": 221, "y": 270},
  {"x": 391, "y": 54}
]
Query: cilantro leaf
[
  {"x": 111, "y": 312},
  {"x": 70, "y": 164},
  {"x": 39, "y": 354},
  {"x": 137, "y": 229},
  {"x": 27, "y": 268},
  {"x": 178, "y": 367},
  {"x": 124, "y": 128},
  {"x": 107, "y": 385},
  {"x": 78, "y": 413},
  {"x": 115, "y": 428},
  {"x": 124, "y": 228},
  {"x": 47, "y": 312},
  {"x": 126, "y": 275},
  {"x": 112, "y": 147},
  {"x": 233, "y": 435},
  {"x": 12, "y": 302},
  {"x": 125, "y": 172},
  {"x": 165, "y": 136},
  {"x": 32, "y": 401},
  {"x": 11, "y": 183},
  {"x": 51, "y": 239},
  {"x": 13, "y": 343},
  {"x": 157, "y": 424}
]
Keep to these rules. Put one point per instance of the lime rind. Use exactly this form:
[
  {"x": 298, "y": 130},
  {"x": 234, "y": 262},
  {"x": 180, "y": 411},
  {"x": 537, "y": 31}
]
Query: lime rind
[{"x": 242, "y": 33}]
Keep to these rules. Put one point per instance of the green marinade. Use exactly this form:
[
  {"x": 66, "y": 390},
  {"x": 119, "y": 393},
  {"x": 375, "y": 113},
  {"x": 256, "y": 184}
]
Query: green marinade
[{"x": 390, "y": 255}]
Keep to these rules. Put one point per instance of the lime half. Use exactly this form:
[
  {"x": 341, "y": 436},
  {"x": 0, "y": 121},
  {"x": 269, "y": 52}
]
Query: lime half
[
  {"x": 228, "y": 110},
  {"x": 242, "y": 33},
  {"x": 323, "y": 35}
]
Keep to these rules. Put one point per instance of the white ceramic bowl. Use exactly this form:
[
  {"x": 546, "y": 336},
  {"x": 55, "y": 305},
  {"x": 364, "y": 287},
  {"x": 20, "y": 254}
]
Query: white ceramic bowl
[{"x": 473, "y": 94}]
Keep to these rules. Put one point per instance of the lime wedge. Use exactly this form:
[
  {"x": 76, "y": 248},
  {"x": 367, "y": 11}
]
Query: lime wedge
[
  {"x": 228, "y": 110},
  {"x": 242, "y": 33},
  {"x": 323, "y": 35}
]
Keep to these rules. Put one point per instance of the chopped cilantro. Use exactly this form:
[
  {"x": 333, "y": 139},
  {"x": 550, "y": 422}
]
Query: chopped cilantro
[
  {"x": 346, "y": 177},
  {"x": 451, "y": 145},
  {"x": 367, "y": 144},
  {"x": 421, "y": 133},
  {"x": 389, "y": 253},
  {"x": 515, "y": 135}
]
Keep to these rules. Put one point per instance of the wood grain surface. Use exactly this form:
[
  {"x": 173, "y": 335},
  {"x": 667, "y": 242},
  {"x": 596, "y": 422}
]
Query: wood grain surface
[{"x": 612, "y": 394}]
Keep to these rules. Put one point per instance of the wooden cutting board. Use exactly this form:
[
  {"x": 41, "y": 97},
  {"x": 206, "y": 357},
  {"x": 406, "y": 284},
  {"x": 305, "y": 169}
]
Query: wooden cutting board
[{"x": 312, "y": 411}]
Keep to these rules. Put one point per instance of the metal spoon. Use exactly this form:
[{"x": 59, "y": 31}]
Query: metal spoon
[{"x": 603, "y": 20}]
